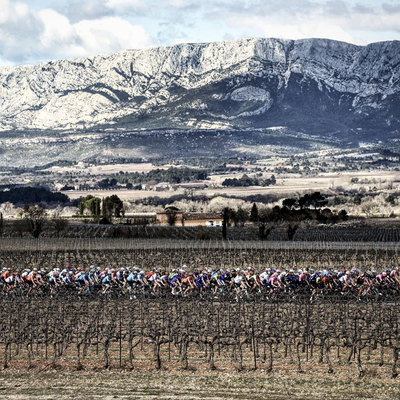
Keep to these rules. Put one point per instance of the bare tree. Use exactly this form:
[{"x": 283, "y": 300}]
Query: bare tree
[
  {"x": 19, "y": 226},
  {"x": 291, "y": 231},
  {"x": 35, "y": 216},
  {"x": 59, "y": 223}
]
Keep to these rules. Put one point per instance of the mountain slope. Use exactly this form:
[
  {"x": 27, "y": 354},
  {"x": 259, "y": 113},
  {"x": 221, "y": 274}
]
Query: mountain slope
[{"x": 315, "y": 86}]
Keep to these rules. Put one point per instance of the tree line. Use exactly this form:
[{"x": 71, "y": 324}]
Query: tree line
[
  {"x": 170, "y": 175},
  {"x": 293, "y": 213},
  {"x": 102, "y": 210},
  {"x": 34, "y": 220},
  {"x": 246, "y": 180},
  {"x": 32, "y": 195}
]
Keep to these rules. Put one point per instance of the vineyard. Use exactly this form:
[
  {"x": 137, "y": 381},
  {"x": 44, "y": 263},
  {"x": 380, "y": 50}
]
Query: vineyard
[
  {"x": 351, "y": 231},
  {"x": 346, "y": 232},
  {"x": 114, "y": 253},
  {"x": 247, "y": 340},
  {"x": 188, "y": 334}
]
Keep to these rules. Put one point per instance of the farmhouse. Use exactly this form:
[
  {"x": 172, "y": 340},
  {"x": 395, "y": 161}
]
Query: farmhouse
[
  {"x": 202, "y": 219},
  {"x": 170, "y": 218},
  {"x": 179, "y": 218},
  {"x": 141, "y": 218},
  {"x": 162, "y": 187}
]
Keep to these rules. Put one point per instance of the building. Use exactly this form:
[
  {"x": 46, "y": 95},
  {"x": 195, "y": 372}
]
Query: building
[
  {"x": 177, "y": 218},
  {"x": 203, "y": 219},
  {"x": 166, "y": 218},
  {"x": 162, "y": 187},
  {"x": 141, "y": 218}
]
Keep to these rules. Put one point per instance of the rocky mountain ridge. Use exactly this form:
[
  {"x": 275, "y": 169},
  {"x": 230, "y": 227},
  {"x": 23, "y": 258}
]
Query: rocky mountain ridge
[{"x": 316, "y": 86}]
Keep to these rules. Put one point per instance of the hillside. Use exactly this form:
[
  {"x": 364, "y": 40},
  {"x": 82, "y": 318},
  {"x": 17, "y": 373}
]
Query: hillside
[{"x": 336, "y": 91}]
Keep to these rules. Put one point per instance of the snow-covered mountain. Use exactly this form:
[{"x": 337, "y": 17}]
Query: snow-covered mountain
[{"x": 314, "y": 86}]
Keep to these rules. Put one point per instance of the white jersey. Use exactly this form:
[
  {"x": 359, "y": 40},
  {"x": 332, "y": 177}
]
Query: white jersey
[
  {"x": 53, "y": 274},
  {"x": 264, "y": 276}
]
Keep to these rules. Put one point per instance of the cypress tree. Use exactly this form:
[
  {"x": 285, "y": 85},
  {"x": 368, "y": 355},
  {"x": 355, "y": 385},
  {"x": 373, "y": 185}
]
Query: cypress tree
[
  {"x": 254, "y": 213},
  {"x": 225, "y": 224},
  {"x": 103, "y": 208}
]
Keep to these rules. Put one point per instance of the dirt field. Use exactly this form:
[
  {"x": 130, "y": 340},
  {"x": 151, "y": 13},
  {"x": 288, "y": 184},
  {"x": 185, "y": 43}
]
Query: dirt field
[
  {"x": 46, "y": 383},
  {"x": 285, "y": 186},
  {"x": 107, "y": 168}
]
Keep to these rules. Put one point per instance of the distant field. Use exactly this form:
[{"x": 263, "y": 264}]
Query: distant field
[
  {"x": 124, "y": 195},
  {"x": 285, "y": 186},
  {"x": 108, "y": 168}
]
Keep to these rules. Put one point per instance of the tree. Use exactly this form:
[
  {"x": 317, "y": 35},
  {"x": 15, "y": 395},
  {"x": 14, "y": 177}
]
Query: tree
[
  {"x": 107, "y": 183},
  {"x": 291, "y": 231},
  {"x": 90, "y": 203},
  {"x": 59, "y": 223},
  {"x": 103, "y": 208},
  {"x": 369, "y": 208},
  {"x": 304, "y": 201},
  {"x": 266, "y": 223},
  {"x": 171, "y": 215},
  {"x": 246, "y": 180},
  {"x": 343, "y": 215},
  {"x": 81, "y": 208},
  {"x": 341, "y": 199},
  {"x": 317, "y": 200},
  {"x": 35, "y": 216},
  {"x": 231, "y": 216},
  {"x": 289, "y": 203},
  {"x": 272, "y": 180},
  {"x": 95, "y": 207},
  {"x": 264, "y": 230},
  {"x": 241, "y": 216},
  {"x": 225, "y": 223},
  {"x": 357, "y": 199},
  {"x": 19, "y": 226},
  {"x": 254, "y": 213},
  {"x": 31, "y": 195},
  {"x": 112, "y": 206},
  {"x": 391, "y": 199}
]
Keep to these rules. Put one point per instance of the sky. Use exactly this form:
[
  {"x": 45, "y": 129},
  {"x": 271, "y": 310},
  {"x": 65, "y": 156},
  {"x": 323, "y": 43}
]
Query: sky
[{"x": 34, "y": 31}]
